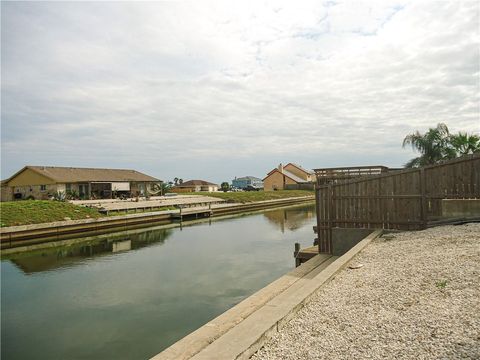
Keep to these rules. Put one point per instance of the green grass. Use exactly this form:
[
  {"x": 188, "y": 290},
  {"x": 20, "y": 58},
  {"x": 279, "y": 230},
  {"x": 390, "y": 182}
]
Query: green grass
[
  {"x": 250, "y": 196},
  {"x": 41, "y": 211},
  {"x": 441, "y": 284}
]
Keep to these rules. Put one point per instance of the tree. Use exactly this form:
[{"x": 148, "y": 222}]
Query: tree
[
  {"x": 464, "y": 144},
  {"x": 180, "y": 181},
  {"x": 225, "y": 186},
  {"x": 166, "y": 187},
  {"x": 438, "y": 144},
  {"x": 433, "y": 146},
  {"x": 175, "y": 180}
]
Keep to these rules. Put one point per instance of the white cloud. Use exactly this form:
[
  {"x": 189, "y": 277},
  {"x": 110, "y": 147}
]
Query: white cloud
[{"x": 142, "y": 85}]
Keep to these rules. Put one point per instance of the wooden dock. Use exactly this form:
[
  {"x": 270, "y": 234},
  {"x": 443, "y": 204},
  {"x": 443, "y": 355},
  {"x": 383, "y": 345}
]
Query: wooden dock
[
  {"x": 303, "y": 255},
  {"x": 193, "y": 212},
  {"x": 108, "y": 206}
]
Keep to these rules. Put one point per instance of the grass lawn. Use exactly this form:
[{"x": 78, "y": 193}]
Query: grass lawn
[
  {"x": 250, "y": 196},
  {"x": 26, "y": 212},
  {"x": 41, "y": 211}
]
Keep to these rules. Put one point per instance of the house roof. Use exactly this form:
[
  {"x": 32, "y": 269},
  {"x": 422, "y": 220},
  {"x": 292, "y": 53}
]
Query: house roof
[
  {"x": 248, "y": 178},
  {"x": 71, "y": 174},
  {"x": 195, "y": 182},
  {"x": 301, "y": 168},
  {"x": 293, "y": 176},
  {"x": 287, "y": 174}
]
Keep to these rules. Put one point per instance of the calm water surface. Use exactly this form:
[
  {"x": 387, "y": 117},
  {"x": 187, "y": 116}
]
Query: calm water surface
[{"x": 131, "y": 296}]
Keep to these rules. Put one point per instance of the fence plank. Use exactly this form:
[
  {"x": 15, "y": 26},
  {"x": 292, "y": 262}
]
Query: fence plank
[{"x": 403, "y": 200}]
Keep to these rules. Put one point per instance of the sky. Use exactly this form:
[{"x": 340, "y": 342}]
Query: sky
[{"x": 216, "y": 89}]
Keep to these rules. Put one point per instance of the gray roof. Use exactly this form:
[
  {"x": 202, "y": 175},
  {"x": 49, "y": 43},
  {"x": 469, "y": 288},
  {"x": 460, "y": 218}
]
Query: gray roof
[
  {"x": 195, "y": 182},
  {"x": 72, "y": 174},
  {"x": 294, "y": 177},
  {"x": 248, "y": 178},
  {"x": 301, "y": 168}
]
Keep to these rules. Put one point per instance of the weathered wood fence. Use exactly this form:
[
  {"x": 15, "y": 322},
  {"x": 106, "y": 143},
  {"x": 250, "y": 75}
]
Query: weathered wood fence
[{"x": 404, "y": 200}]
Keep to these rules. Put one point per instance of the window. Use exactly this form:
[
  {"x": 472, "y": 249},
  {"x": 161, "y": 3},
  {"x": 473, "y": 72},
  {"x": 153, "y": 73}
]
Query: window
[
  {"x": 68, "y": 187},
  {"x": 43, "y": 187}
]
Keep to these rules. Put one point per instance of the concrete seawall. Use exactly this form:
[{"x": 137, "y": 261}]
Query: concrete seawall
[
  {"x": 17, "y": 236},
  {"x": 244, "y": 328}
]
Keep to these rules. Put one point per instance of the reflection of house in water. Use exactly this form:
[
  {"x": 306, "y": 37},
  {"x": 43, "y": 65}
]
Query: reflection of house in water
[
  {"x": 118, "y": 246},
  {"x": 291, "y": 219},
  {"x": 62, "y": 257}
]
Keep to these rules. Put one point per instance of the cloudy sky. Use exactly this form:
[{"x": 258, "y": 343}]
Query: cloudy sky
[{"x": 213, "y": 90}]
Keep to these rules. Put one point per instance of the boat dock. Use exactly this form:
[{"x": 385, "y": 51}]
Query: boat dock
[
  {"x": 108, "y": 206},
  {"x": 195, "y": 212},
  {"x": 303, "y": 255}
]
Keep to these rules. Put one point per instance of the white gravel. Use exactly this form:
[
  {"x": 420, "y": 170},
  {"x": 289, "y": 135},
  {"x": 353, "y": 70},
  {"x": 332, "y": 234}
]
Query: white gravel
[{"x": 417, "y": 296}]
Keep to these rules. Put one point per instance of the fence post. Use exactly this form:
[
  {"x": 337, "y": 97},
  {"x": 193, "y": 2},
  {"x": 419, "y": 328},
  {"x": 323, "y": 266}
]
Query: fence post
[
  {"x": 424, "y": 198},
  {"x": 331, "y": 209},
  {"x": 318, "y": 209}
]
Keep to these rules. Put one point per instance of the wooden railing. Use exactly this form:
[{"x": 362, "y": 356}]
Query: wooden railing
[
  {"x": 403, "y": 200},
  {"x": 337, "y": 174}
]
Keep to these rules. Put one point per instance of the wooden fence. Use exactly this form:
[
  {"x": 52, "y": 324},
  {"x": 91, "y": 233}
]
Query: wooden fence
[
  {"x": 404, "y": 200},
  {"x": 328, "y": 175}
]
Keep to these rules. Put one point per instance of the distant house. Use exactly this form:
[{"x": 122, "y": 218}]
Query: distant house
[
  {"x": 194, "y": 186},
  {"x": 307, "y": 175},
  {"x": 42, "y": 182},
  {"x": 290, "y": 174},
  {"x": 243, "y": 182}
]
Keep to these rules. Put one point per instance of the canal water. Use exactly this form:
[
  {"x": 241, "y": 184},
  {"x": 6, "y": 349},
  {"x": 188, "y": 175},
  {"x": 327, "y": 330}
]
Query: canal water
[{"x": 129, "y": 296}]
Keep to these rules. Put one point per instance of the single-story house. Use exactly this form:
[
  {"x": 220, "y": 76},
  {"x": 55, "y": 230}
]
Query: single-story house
[
  {"x": 290, "y": 174},
  {"x": 43, "y": 182},
  {"x": 195, "y": 186},
  {"x": 243, "y": 182}
]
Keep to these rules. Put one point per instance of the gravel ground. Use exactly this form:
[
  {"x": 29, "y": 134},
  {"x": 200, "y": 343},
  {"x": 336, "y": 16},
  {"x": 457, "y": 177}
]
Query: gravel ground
[{"x": 417, "y": 296}]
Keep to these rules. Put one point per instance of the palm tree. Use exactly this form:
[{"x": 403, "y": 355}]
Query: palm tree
[
  {"x": 433, "y": 146},
  {"x": 464, "y": 144}
]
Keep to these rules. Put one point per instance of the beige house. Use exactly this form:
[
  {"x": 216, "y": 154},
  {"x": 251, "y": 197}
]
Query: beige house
[
  {"x": 43, "y": 182},
  {"x": 195, "y": 186},
  {"x": 306, "y": 175},
  {"x": 290, "y": 174}
]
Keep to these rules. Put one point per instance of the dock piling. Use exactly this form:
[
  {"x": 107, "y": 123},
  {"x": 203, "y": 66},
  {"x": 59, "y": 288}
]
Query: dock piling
[{"x": 295, "y": 254}]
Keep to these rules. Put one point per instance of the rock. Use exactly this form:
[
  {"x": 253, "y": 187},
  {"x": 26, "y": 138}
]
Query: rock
[{"x": 355, "y": 266}]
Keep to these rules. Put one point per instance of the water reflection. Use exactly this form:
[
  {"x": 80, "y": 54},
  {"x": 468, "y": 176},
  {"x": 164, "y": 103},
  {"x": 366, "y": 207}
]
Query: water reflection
[
  {"x": 131, "y": 295},
  {"x": 290, "y": 218},
  {"x": 61, "y": 257}
]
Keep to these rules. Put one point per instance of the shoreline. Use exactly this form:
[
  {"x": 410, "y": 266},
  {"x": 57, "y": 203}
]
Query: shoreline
[{"x": 22, "y": 238}]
